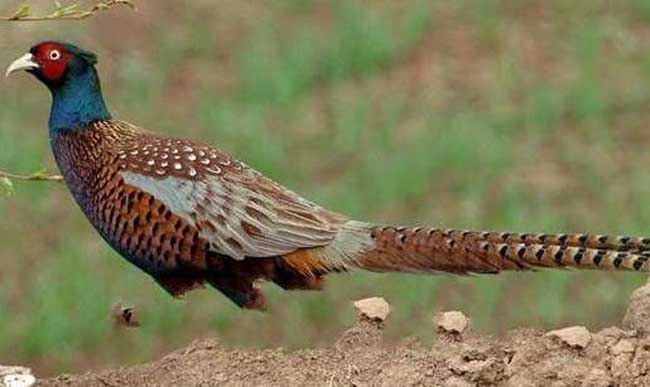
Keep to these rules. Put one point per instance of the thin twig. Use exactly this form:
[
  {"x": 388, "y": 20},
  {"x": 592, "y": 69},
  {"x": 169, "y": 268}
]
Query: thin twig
[
  {"x": 69, "y": 12},
  {"x": 36, "y": 176}
]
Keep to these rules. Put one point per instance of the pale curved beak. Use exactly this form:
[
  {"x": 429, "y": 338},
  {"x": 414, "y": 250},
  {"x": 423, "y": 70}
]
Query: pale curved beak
[{"x": 25, "y": 62}]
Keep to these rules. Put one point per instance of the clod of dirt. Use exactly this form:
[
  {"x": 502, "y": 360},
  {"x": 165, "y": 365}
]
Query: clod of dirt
[
  {"x": 124, "y": 316},
  {"x": 16, "y": 376},
  {"x": 575, "y": 337},
  {"x": 373, "y": 308},
  {"x": 638, "y": 312},
  {"x": 454, "y": 322},
  {"x": 368, "y": 330}
]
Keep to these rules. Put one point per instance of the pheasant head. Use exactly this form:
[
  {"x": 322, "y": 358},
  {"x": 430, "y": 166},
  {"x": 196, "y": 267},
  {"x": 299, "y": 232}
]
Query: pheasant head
[{"x": 69, "y": 73}]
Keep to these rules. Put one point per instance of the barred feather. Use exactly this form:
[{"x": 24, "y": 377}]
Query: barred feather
[{"x": 431, "y": 250}]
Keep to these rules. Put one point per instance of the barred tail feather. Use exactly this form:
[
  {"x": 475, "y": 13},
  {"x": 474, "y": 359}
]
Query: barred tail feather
[
  {"x": 591, "y": 241},
  {"x": 423, "y": 250}
]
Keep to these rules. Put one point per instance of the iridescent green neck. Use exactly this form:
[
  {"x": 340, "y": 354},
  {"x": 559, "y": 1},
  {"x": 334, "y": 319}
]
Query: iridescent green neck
[{"x": 77, "y": 102}]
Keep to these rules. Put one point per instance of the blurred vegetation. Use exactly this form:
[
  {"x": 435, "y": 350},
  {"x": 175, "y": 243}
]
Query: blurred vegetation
[
  {"x": 64, "y": 12},
  {"x": 509, "y": 115}
]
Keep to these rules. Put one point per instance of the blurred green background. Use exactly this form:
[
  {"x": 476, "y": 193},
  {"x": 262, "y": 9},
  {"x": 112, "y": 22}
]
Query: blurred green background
[{"x": 507, "y": 115}]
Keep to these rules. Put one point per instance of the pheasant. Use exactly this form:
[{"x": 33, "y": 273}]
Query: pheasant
[{"x": 189, "y": 214}]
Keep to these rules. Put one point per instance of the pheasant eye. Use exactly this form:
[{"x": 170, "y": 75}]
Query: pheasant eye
[{"x": 55, "y": 55}]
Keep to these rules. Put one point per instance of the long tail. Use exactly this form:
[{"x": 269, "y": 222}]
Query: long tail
[
  {"x": 431, "y": 249},
  {"x": 425, "y": 250}
]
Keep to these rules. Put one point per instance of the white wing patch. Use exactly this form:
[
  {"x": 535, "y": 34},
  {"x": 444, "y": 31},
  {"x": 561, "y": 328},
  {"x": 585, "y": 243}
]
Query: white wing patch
[{"x": 171, "y": 191}]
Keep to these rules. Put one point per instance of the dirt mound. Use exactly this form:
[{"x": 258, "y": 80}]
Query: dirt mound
[{"x": 460, "y": 357}]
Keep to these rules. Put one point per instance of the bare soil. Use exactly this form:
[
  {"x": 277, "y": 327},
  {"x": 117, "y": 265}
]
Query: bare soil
[{"x": 526, "y": 357}]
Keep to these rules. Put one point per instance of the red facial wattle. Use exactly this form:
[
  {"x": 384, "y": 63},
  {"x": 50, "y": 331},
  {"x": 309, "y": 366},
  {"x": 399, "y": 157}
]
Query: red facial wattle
[
  {"x": 53, "y": 60},
  {"x": 54, "y": 70}
]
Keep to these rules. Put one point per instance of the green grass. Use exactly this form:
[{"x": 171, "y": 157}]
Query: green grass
[{"x": 529, "y": 118}]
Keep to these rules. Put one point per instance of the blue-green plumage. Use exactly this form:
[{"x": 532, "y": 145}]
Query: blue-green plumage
[{"x": 77, "y": 102}]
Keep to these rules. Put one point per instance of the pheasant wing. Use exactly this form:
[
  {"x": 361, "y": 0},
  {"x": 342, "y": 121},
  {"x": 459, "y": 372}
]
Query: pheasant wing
[{"x": 237, "y": 210}]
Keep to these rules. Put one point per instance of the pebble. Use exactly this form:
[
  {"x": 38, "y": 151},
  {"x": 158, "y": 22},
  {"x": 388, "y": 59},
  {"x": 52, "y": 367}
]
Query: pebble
[
  {"x": 16, "y": 377},
  {"x": 451, "y": 322},
  {"x": 373, "y": 308},
  {"x": 575, "y": 337}
]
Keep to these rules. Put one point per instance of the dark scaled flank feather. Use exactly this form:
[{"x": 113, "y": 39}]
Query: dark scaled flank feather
[{"x": 188, "y": 214}]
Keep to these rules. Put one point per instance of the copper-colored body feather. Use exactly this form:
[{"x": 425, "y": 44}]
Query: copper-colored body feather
[{"x": 189, "y": 214}]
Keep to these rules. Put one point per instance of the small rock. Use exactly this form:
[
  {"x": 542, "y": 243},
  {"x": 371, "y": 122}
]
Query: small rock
[
  {"x": 373, "y": 308},
  {"x": 623, "y": 346},
  {"x": 470, "y": 367},
  {"x": 18, "y": 380},
  {"x": 451, "y": 322},
  {"x": 16, "y": 377},
  {"x": 575, "y": 337},
  {"x": 637, "y": 316}
]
